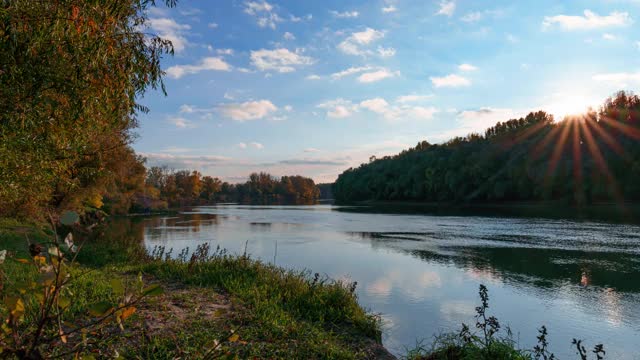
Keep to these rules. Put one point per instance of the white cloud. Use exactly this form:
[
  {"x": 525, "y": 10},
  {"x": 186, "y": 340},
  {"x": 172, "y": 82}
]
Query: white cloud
[
  {"x": 184, "y": 161},
  {"x": 609, "y": 37},
  {"x": 175, "y": 149},
  {"x": 263, "y": 12},
  {"x": 589, "y": 21},
  {"x": 345, "y": 14},
  {"x": 353, "y": 45},
  {"x": 386, "y": 52},
  {"x": 350, "y": 71},
  {"x": 187, "y": 109},
  {"x": 512, "y": 38},
  {"x": 255, "y": 145},
  {"x": 296, "y": 19},
  {"x": 288, "y": 108},
  {"x": 620, "y": 79},
  {"x": 255, "y": 7},
  {"x": 251, "y": 110},
  {"x": 169, "y": 29},
  {"x": 486, "y": 112},
  {"x": 368, "y": 73},
  {"x": 467, "y": 67},
  {"x": 377, "y": 105},
  {"x": 311, "y": 150},
  {"x": 447, "y": 8},
  {"x": 480, "y": 119},
  {"x": 224, "y": 51},
  {"x": 289, "y": 36},
  {"x": 395, "y": 112},
  {"x": 412, "y": 98},
  {"x": 208, "y": 63},
  {"x": 638, "y": 44},
  {"x": 339, "y": 108},
  {"x": 451, "y": 80},
  {"x": 213, "y": 25},
  {"x": 389, "y": 9},
  {"x": 472, "y": 17},
  {"x": 279, "y": 60},
  {"x": 180, "y": 122},
  {"x": 313, "y": 77},
  {"x": 378, "y": 75},
  {"x": 479, "y": 15},
  {"x": 367, "y": 36},
  {"x": 190, "y": 11}
]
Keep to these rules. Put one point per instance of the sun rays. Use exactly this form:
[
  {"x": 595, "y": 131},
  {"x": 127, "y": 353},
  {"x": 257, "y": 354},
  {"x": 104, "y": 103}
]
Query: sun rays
[{"x": 581, "y": 140}]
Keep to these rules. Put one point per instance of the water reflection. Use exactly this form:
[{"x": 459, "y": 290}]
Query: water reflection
[{"x": 422, "y": 272}]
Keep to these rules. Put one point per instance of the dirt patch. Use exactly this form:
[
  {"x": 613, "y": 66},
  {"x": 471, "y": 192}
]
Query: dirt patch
[{"x": 178, "y": 306}]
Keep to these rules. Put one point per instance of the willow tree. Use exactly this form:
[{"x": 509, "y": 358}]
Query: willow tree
[{"x": 71, "y": 74}]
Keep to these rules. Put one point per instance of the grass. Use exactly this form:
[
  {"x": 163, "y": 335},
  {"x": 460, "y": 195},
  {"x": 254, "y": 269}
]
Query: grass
[{"x": 214, "y": 306}]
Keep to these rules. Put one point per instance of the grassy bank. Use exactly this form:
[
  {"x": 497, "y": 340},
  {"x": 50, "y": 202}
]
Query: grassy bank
[{"x": 214, "y": 305}]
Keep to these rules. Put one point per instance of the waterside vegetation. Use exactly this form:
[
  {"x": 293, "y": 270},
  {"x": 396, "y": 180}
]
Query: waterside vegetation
[{"x": 214, "y": 305}]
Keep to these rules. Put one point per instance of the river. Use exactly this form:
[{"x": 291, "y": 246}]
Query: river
[{"x": 421, "y": 273}]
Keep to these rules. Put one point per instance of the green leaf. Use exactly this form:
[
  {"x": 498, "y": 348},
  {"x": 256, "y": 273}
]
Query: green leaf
[
  {"x": 100, "y": 309},
  {"x": 64, "y": 302},
  {"x": 54, "y": 251},
  {"x": 69, "y": 218},
  {"x": 117, "y": 286},
  {"x": 153, "y": 290}
]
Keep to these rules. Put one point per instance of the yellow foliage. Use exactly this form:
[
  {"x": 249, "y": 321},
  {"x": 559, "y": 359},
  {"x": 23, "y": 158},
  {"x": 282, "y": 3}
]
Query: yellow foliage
[{"x": 95, "y": 201}]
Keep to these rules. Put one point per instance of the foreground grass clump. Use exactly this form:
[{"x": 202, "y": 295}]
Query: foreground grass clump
[
  {"x": 214, "y": 305},
  {"x": 487, "y": 344}
]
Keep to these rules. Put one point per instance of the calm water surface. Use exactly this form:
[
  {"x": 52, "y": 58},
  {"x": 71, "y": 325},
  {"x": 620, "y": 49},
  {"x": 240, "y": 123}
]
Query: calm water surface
[{"x": 580, "y": 279}]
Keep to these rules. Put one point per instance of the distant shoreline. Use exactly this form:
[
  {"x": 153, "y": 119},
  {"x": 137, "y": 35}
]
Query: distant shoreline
[{"x": 608, "y": 212}]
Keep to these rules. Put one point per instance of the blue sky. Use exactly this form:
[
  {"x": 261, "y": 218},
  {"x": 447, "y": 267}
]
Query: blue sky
[{"x": 312, "y": 88}]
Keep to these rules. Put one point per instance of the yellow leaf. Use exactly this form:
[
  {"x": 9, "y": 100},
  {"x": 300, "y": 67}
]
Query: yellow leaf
[
  {"x": 234, "y": 338},
  {"x": 15, "y": 305},
  {"x": 23, "y": 261},
  {"x": 40, "y": 260}
]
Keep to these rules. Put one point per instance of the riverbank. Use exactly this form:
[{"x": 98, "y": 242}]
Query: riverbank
[
  {"x": 214, "y": 305},
  {"x": 609, "y": 212}
]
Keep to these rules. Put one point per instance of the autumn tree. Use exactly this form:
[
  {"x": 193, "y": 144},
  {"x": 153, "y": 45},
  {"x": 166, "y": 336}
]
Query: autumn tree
[{"x": 71, "y": 74}]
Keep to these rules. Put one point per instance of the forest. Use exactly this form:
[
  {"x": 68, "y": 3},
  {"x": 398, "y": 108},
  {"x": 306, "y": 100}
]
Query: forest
[{"x": 583, "y": 159}]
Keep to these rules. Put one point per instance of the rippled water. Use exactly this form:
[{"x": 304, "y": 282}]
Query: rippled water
[{"x": 580, "y": 279}]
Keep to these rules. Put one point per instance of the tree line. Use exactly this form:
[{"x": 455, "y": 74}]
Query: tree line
[
  {"x": 584, "y": 159},
  {"x": 169, "y": 188}
]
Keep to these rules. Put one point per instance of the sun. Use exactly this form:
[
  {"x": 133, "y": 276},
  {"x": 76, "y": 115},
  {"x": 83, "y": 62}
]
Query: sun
[{"x": 569, "y": 104}]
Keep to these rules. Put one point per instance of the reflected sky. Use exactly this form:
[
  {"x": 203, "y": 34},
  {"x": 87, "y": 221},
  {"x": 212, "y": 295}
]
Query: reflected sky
[{"x": 422, "y": 272}]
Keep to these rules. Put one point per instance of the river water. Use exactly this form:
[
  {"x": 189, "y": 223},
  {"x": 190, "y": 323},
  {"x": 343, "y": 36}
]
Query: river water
[{"x": 421, "y": 273}]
